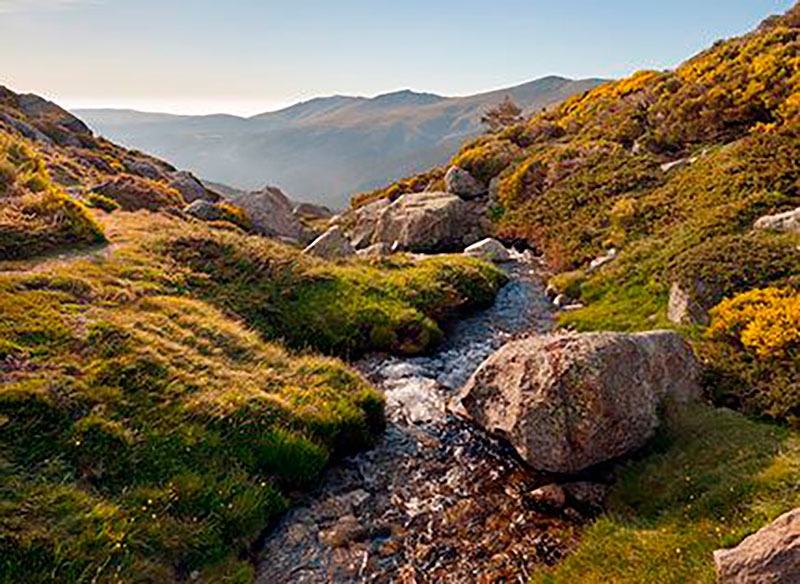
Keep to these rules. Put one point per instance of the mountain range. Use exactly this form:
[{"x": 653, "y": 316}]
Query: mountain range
[{"x": 326, "y": 149}]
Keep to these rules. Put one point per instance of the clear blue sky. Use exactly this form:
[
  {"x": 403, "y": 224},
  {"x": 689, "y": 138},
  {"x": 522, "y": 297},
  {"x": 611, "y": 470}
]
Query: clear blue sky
[{"x": 248, "y": 56}]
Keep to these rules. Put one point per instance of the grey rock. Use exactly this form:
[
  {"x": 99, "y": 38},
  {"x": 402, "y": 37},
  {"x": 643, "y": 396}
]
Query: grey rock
[
  {"x": 684, "y": 307},
  {"x": 331, "y": 245},
  {"x": 462, "y": 184},
  {"x": 311, "y": 211},
  {"x": 428, "y": 223},
  {"x": 788, "y": 222},
  {"x": 569, "y": 402},
  {"x": 602, "y": 260},
  {"x": 676, "y": 165},
  {"x": 191, "y": 188},
  {"x": 770, "y": 556},
  {"x": 376, "y": 251},
  {"x": 490, "y": 250},
  {"x": 27, "y": 130},
  {"x": 204, "y": 210},
  {"x": 365, "y": 220},
  {"x": 272, "y": 214}
]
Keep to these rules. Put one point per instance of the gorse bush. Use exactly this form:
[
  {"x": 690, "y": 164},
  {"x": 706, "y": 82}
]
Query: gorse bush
[
  {"x": 753, "y": 345},
  {"x": 766, "y": 322}
]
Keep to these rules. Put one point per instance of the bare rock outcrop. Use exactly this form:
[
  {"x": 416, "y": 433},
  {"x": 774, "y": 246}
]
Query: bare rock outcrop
[
  {"x": 191, "y": 188},
  {"x": 569, "y": 402},
  {"x": 770, "y": 556}
]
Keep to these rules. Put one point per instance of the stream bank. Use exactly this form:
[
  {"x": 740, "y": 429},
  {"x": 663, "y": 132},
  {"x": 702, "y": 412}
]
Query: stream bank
[{"x": 437, "y": 500}]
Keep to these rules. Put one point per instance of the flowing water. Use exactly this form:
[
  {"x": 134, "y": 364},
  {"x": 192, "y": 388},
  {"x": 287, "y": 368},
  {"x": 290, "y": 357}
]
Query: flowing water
[{"x": 437, "y": 500}]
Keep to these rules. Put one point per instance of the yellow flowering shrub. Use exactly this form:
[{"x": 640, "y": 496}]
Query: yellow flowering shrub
[{"x": 766, "y": 322}]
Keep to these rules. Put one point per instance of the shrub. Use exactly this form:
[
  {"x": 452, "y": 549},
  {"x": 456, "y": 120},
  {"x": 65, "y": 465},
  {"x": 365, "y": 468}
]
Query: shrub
[
  {"x": 101, "y": 202},
  {"x": 753, "y": 349},
  {"x": 724, "y": 266},
  {"x": 764, "y": 321},
  {"x": 486, "y": 158}
]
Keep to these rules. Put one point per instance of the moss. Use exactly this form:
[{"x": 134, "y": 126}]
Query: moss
[{"x": 724, "y": 266}]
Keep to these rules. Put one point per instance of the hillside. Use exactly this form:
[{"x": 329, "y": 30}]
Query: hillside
[
  {"x": 168, "y": 385},
  {"x": 351, "y": 143},
  {"x": 665, "y": 201}
]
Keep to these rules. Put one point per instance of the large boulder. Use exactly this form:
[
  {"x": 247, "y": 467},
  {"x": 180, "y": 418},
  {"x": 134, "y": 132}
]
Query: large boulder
[
  {"x": 569, "y": 402},
  {"x": 462, "y": 184},
  {"x": 331, "y": 245},
  {"x": 771, "y": 556},
  {"x": 272, "y": 214},
  {"x": 191, "y": 188},
  {"x": 489, "y": 250},
  {"x": 428, "y": 223},
  {"x": 787, "y": 222}
]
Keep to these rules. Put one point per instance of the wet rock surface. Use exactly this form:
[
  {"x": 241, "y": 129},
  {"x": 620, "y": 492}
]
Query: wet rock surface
[{"x": 437, "y": 500}]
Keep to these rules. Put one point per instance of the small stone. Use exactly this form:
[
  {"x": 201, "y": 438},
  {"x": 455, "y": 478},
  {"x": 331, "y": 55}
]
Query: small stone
[
  {"x": 788, "y": 222},
  {"x": 591, "y": 494},
  {"x": 489, "y": 250},
  {"x": 345, "y": 530},
  {"x": 551, "y": 496},
  {"x": 560, "y": 301}
]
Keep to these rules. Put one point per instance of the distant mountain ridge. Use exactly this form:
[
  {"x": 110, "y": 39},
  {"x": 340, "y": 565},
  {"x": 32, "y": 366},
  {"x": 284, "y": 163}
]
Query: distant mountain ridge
[{"x": 325, "y": 149}]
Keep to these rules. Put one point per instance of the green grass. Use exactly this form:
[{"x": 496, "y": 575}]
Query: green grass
[
  {"x": 152, "y": 423},
  {"x": 344, "y": 309},
  {"x": 711, "y": 478}
]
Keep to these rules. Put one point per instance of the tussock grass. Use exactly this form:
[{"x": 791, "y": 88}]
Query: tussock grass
[{"x": 711, "y": 478}]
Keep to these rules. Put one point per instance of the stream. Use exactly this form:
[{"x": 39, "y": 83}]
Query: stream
[{"x": 437, "y": 500}]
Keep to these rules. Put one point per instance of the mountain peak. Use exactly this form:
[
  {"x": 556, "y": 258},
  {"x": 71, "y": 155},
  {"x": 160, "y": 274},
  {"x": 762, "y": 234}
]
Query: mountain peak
[{"x": 406, "y": 97}]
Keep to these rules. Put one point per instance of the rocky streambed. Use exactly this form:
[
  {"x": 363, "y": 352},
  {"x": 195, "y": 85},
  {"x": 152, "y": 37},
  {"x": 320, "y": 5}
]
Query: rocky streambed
[{"x": 438, "y": 500}]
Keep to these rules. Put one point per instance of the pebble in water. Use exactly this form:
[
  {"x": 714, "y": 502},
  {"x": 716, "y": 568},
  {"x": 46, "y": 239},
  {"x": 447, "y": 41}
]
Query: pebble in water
[{"x": 437, "y": 500}]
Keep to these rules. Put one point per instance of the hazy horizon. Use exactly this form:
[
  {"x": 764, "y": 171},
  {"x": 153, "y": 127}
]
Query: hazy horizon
[{"x": 250, "y": 57}]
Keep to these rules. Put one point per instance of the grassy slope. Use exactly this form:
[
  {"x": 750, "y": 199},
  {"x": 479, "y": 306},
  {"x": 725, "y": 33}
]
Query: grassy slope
[
  {"x": 164, "y": 395},
  {"x": 148, "y": 432},
  {"x": 586, "y": 177}
]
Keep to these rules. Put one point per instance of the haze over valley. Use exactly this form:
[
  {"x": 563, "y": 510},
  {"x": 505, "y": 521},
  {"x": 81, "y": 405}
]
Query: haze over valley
[{"x": 326, "y": 149}]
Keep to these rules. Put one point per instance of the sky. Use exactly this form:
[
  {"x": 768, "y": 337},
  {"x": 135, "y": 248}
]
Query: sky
[{"x": 249, "y": 56}]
